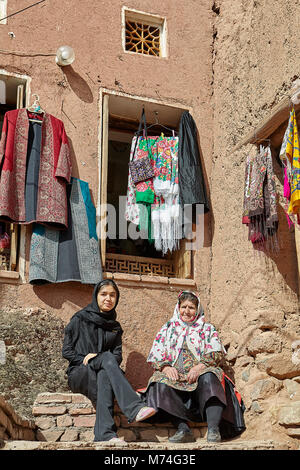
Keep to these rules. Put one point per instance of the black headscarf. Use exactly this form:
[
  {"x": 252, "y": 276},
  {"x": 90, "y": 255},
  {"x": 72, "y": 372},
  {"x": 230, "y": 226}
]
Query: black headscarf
[{"x": 92, "y": 313}]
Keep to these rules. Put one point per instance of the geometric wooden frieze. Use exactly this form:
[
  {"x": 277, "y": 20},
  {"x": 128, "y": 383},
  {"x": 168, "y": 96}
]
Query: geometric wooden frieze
[{"x": 139, "y": 265}]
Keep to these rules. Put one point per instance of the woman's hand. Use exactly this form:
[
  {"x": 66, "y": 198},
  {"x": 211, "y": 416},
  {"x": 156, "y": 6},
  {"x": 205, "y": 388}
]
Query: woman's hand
[
  {"x": 171, "y": 372},
  {"x": 88, "y": 357},
  {"x": 194, "y": 373}
]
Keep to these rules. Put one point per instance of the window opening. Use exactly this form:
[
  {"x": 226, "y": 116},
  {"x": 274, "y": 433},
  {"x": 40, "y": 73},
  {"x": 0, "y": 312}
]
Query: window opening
[
  {"x": 3, "y": 11},
  {"x": 144, "y": 33},
  {"x": 12, "y": 96},
  {"x": 124, "y": 254}
]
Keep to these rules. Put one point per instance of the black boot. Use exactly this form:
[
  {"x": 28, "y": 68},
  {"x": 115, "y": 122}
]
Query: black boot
[
  {"x": 213, "y": 435},
  {"x": 182, "y": 436}
]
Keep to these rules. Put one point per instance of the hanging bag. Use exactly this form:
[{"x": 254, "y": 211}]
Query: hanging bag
[{"x": 141, "y": 169}]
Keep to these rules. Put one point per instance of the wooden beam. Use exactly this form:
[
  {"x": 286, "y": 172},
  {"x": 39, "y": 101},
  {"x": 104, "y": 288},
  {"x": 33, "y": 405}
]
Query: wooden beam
[
  {"x": 104, "y": 171},
  {"x": 270, "y": 124}
]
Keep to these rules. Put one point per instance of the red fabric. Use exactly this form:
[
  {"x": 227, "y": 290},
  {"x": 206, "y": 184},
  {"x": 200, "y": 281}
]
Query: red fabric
[
  {"x": 237, "y": 394},
  {"x": 55, "y": 169}
]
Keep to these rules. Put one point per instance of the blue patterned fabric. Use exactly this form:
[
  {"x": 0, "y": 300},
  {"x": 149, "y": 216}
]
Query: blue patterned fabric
[{"x": 72, "y": 254}]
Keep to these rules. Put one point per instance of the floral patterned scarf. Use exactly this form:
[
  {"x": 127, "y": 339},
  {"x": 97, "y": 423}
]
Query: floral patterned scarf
[{"x": 201, "y": 338}]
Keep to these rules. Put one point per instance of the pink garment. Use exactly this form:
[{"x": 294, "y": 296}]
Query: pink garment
[{"x": 286, "y": 186}]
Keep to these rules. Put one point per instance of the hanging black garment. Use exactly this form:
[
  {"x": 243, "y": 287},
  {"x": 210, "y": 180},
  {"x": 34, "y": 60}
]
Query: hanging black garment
[
  {"x": 192, "y": 188},
  {"x": 91, "y": 331}
]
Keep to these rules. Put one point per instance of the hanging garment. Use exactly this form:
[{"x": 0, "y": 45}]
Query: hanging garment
[
  {"x": 153, "y": 204},
  {"x": 192, "y": 188},
  {"x": 260, "y": 210},
  {"x": 35, "y": 168},
  {"x": 293, "y": 155},
  {"x": 72, "y": 254}
]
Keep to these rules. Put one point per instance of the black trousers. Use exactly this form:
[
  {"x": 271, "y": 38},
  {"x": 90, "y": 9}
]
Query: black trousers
[{"x": 102, "y": 381}]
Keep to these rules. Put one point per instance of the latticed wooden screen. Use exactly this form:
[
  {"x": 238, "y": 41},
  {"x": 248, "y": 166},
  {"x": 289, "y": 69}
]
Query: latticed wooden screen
[
  {"x": 142, "y": 38},
  {"x": 139, "y": 265}
]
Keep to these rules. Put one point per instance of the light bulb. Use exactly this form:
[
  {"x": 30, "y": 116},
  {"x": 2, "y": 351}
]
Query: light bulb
[{"x": 65, "y": 55}]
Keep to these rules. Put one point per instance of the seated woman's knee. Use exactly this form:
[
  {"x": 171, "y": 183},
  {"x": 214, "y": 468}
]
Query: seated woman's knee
[{"x": 108, "y": 360}]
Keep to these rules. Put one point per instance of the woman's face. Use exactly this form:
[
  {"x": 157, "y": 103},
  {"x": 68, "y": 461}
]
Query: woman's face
[
  {"x": 106, "y": 298},
  {"x": 188, "y": 311}
]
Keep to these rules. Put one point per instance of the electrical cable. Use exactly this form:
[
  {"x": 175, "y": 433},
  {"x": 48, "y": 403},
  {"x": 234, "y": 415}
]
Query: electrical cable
[{"x": 20, "y": 11}]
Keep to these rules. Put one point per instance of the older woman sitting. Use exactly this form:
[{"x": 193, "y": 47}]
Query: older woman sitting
[{"x": 188, "y": 383}]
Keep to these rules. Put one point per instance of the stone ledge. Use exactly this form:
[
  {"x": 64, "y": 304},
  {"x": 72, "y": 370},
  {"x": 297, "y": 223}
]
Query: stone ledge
[
  {"x": 71, "y": 417},
  {"x": 238, "y": 444}
]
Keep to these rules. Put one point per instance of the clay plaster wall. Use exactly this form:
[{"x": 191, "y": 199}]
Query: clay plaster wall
[
  {"x": 253, "y": 298},
  {"x": 71, "y": 93}
]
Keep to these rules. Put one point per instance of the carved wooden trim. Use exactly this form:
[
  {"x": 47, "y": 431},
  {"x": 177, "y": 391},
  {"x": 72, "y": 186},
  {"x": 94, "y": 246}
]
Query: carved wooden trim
[{"x": 116, "y": 263}]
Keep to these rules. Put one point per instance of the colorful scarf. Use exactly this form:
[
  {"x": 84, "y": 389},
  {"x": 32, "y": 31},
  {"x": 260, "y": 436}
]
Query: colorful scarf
[
  {"x": 201, "y": 338},
  {"x": 153, "y": 204},
  {"x": 260, "y": 210},
  {"x": 293, "y": 154}
]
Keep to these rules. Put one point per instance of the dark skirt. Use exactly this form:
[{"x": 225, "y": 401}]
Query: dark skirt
[{"x": 190, "y": 406}]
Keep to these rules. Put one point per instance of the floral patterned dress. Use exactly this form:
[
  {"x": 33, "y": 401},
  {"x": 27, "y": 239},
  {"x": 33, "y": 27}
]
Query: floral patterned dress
[{"x": 185, "y": 361}]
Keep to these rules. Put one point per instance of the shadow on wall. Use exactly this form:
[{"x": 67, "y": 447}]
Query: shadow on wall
[
  {"x": 78, "y": 84},
  {"x": 137, "y": 370},
  {"x": 57, "y": 295}
]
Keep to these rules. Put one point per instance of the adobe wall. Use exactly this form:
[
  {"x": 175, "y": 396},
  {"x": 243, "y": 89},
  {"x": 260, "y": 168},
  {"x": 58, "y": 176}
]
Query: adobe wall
[
  {"x": 253, "y": 298},
  {"x": 72, "y": 94}
]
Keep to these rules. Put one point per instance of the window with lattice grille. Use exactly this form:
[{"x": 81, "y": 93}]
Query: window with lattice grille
[{"x": 144, "y": 33}]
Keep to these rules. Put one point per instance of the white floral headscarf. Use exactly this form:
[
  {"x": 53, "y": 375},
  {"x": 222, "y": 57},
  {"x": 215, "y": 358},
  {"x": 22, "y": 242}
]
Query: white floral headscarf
[{"x": 201, "y": 337}]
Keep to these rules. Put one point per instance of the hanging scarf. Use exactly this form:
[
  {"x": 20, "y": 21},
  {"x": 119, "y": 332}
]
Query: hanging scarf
[
  {"x": 201, "y": 337},
  {"x": 293, "y": 155},
  {"x": 260, "y": 210}
]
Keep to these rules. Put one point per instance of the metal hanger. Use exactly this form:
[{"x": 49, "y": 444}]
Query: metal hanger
[
  {"x": 157, "y": 123},
  {"x": 36, "y": 108}
]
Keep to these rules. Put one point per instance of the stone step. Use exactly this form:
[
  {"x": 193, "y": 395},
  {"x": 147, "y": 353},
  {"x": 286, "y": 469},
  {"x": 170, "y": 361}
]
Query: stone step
[{"x": 236, "y": 444}]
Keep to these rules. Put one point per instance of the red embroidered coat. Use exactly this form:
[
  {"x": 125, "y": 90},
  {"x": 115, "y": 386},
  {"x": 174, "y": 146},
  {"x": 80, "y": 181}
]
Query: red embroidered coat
[{"x": 55, "y": 169}]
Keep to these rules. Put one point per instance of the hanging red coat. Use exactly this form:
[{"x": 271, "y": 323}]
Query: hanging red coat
[{"x": 54, "y": 169}]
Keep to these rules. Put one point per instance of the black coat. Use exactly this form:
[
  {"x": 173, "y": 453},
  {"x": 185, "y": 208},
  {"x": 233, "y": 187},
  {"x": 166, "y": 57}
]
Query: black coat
[
  {"x": 192, "y": 188},
  {"x": 90, "y": 331}
]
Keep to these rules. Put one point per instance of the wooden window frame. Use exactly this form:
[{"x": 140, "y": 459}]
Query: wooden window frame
[
  {"x": 16, "y": 273},
  {"x": 183, "y": 258},
  {"x": 3, "y": 11}
]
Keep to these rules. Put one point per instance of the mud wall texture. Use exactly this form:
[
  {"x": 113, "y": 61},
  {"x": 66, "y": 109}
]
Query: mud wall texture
[
  {"x": 253, "y": 297},
  {"x": 71, "y": 93}
]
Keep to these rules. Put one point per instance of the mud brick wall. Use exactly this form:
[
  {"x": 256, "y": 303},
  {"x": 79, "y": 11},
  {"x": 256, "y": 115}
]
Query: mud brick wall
[
  {"x": 12, "y": 426},
  {"x": 71, "y": 417}
]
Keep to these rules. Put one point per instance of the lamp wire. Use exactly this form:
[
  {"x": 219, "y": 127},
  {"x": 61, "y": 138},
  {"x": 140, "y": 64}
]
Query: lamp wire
[{"x": 20, "y": 11}]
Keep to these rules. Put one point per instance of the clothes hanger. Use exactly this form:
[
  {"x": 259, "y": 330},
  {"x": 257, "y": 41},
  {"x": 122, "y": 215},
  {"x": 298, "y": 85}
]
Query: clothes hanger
[
  {"x": 36, "y": 108},
  {"x": 157, "y": 123}
]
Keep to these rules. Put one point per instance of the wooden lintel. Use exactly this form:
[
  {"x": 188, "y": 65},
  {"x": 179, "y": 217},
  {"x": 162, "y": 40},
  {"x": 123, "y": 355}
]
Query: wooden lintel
[{"x": 270, "y": 124}]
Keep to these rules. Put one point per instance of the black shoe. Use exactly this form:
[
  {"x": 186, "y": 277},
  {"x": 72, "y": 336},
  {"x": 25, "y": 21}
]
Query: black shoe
[
  {"x": 182, "y": 436},
  {"x": 213, "y": 435}
]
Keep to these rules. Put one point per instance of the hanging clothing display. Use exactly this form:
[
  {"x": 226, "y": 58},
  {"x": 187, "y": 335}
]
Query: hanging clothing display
[
  {"x": 192, "y": 188},
  {"x": 68, "y": 255},
  {"x": 290, "y": 157},
  {"x": 260, "y": 210},
  {"x": 155, "y": 203},
  {"x": 35, "y": 168}
]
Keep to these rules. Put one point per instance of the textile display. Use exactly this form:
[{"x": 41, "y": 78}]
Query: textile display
[
  {"x": 35, "y": 168},
  {"x": 260, "y": 209},
  {"x": 68, "y": 255},
  {"x": 155, "y": 204},
  {"x": 290, "y": 158}
]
